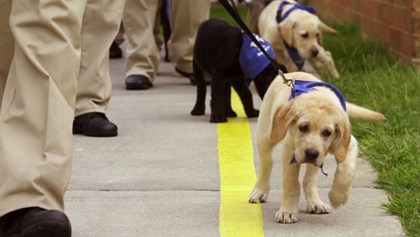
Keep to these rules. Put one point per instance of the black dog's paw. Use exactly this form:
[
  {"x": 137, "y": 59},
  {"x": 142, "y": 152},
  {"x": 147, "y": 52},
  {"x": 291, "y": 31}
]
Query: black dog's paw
[
  {"x": 198, "y": 110},
  {"x": 218, "y": 119},
  {"x": 231, "y": 114},
  {"x": 253, "y": 113}
]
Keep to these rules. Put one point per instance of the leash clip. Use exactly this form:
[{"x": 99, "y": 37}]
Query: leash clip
[{"x": 288, "y": 82}]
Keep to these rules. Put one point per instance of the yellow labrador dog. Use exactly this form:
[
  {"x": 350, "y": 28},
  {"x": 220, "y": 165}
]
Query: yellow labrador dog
[
  {"x": 308, "y": 123},
  {"x": 295, "y": 33}
]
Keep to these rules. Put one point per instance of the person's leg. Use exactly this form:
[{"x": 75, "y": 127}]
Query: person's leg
[
  {"x": 166, "y": 27},
  {"x": 142, "y": 53},
  {"x": 120, "y": 38},
  {"x": 6, "y": 44},
  {"x": 185, "y": 17},
  {"x": 36, "y": 115},
  {"x": 157, "y": 27},
  {"x": 115, "y": 51},
  {"x": 94, "y": 89}
]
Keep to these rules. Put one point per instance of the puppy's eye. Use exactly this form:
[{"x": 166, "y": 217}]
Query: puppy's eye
[
  {"x": 304, "y": 128},
  {"x": 326, "y": 133},
  {"x": 305, "y": 35}
]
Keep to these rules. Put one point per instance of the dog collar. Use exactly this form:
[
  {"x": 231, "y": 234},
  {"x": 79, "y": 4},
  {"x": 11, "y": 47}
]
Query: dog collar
[
  {"x": 280, "y": 17},
  {"x": 294, "y": 55},
  {"x": 251, "y": 59},
  {"x": 300, "y": 87}
]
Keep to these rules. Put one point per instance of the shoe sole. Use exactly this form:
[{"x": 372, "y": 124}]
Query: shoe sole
[
  {"x": 109, "y": 134},
  {"x": 47, "y": 229},
  {"x": 135, "y": 87},
  {"x": 50, "y": 224}
]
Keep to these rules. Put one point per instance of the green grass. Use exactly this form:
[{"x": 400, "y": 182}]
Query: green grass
[
  {"x": 372, "y": 77},
  {"x": 217, "y": 11}
]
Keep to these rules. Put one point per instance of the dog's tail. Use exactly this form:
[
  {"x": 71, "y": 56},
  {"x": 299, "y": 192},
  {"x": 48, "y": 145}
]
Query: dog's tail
[
  {"x": 358, "y": 112},
  {"x": 254, "y": 11}
]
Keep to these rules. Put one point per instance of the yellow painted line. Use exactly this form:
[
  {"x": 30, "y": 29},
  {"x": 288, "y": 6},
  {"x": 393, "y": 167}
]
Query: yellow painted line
[{"x": 237, "y": 217}]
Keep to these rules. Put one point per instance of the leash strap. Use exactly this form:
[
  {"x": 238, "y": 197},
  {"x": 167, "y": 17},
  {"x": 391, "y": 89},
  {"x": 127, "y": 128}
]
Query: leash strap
[{"x": 233, "y": 13}]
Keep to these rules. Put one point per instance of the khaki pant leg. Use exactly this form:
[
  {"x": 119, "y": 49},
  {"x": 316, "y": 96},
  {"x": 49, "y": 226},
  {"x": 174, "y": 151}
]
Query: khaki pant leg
[
  {"x": 120, "y": 38},
  {"x": 101, "y": 22},
  {"x": 157, "y": 34},
  {"x": 142, "y": 52},
  {"x": 6, "y": 44},
  {"x": 38, "y": 104},
  {"x": 185, "y": 17}
]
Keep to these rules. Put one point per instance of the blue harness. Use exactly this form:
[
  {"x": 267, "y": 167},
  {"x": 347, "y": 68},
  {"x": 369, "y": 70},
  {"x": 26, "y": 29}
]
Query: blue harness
[
  {"x": 300, "y": 87},
  {"x": 292, "y": 51}
]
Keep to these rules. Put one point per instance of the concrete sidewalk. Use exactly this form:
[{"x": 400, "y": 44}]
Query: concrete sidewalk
[{"x": 160, "y": 175}]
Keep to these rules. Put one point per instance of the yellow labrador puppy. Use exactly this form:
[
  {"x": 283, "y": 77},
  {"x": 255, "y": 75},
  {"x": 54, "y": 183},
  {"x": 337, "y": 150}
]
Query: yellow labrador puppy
[
  {"x": 308, "y": 122},
  {"x": 295, "y": 33}
]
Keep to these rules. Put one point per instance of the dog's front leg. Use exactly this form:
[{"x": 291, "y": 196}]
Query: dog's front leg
[
  {"x": 262, "y": 187},
  {"x": 200, "y": 104},
  {"x": 314, "y": 204},
  {"x": 219, "y": 97},
  {"x": 288, "y": 212},
  {"x": 343, "y": 176},
  {"x": 325, "y": 57}
]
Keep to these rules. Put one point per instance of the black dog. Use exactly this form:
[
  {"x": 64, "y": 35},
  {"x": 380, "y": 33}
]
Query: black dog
[{"x": 217, "y": 53}]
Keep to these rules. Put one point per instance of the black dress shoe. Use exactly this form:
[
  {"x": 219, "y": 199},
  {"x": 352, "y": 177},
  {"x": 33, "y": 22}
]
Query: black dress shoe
[
  {"x": 94, "y": 125},
  {"x": 190, "y": 76},
  {"x": 36, "y": 222},
  {"x": 115, "y": 51},
  {"x": 187, "y": 75},
  {"x": 137, "y": 82}
]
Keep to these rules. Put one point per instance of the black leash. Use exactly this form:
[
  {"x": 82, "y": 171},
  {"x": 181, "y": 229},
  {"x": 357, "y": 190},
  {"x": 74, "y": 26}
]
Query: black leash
[{"x": 235, "y": 15}]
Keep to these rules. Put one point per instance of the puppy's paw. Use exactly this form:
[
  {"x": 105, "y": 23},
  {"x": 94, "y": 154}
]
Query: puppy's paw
[
  {"x": 335, "y": 73},
  {"x": 318, "y": 207},
  {"x": 331, "y": 65},
  {"x": 252, "y": 113},
  {"x": 198, "y": 110},
  {"x": 218, "y": 119},
  {"x": 259, "y": 195},
  {"x": 287, "y": 216},
  {"x": 338, "y": 197}
]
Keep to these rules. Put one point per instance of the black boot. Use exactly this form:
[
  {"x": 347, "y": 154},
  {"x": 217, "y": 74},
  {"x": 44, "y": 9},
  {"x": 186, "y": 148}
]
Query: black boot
[
  {"x": 115, "y": 51},
  {"x": 35, "y": 222},
  {"x": 94, "y": 125}
]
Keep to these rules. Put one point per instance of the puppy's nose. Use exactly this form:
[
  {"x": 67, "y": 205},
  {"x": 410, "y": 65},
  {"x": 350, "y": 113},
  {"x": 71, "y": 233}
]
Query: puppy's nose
[
  {"x": 315, "y": 52},
  {"x": 311, "y": 154}
]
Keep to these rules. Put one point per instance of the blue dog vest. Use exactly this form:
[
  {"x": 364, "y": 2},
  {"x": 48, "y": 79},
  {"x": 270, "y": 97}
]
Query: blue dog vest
[{"x": 251, "y": 59}]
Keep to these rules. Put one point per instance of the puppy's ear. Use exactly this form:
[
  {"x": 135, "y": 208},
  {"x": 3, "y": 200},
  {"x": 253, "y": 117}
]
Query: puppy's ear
[
  {"x": 342, "y": 140},
  {"x": 282, "y": 118},
  {"x": 285, "y": 29},
  {"x": 320, "y": 40},
  {"x": 327, "y": 29}
]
